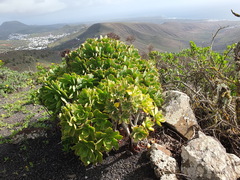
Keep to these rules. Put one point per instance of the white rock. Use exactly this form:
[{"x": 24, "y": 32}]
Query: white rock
[
  {"x": 169, "y": 177},
  {"x": 163, "y": 164},
  {"x": 205, "y": 158},
  {"x": 178, "y": 113}
]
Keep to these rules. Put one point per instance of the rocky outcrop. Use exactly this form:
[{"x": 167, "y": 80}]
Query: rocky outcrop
[
  {"x": 202, "y": 157},
  {"x": 178, "y": 113},
  {"x": 205, "y": 158}
]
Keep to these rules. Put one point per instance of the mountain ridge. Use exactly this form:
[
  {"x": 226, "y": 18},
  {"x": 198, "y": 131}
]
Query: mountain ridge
[
  {"x": 168, "y": 36},
  {"x": 163, "y": 36}
]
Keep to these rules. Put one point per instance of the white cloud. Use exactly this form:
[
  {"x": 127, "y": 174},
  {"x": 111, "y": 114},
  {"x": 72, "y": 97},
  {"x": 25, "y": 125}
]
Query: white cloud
[
  {"x": 30, "y": 6},
  {"x": 44, "y": 11},
  {"x": 94, "y": 3}
]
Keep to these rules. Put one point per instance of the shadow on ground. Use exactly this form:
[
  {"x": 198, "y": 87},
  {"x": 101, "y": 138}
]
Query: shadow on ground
[{"x": 43, "y": 158}]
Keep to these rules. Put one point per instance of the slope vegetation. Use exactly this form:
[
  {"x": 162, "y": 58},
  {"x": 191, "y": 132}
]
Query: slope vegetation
[{"x": 27, "y": 60}]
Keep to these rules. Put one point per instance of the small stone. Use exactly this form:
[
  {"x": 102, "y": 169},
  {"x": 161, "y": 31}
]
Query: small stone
[
  {"x": 161, "y": 161},
  {"x": 72, "y": 176},
  {"x": 169, "y": 177}
]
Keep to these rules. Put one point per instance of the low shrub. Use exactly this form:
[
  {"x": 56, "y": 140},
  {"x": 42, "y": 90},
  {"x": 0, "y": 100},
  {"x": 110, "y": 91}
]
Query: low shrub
[
  {"x": 100, "y": 89},
  {"x": 210, "y": 79}
]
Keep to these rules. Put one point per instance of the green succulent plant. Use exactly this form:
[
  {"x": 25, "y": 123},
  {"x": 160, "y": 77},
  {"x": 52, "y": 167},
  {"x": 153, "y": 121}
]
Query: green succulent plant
[{"x": 101, "y": 86}]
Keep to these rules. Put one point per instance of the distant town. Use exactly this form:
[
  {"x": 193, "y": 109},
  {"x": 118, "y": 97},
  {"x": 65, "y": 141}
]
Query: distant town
[{"x": 35, "y": 43}]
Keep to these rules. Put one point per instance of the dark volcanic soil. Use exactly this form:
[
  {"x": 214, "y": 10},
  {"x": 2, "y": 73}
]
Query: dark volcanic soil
[{"x": 43, "y": 158}]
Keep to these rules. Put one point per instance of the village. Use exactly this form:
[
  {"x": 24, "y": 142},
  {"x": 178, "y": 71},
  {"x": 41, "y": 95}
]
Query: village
[{"x": 35, "y": 42}]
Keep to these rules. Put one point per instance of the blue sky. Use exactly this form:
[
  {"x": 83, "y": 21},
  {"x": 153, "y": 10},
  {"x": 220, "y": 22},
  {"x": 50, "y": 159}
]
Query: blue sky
[{"x": 75, "y": 11}]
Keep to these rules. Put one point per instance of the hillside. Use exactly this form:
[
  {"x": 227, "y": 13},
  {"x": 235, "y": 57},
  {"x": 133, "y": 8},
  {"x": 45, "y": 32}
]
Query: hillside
[
  {"x": 171, "y": 36},
  {"x": 26, "y": 60},
  {"x": 168, "y": 36},
  {"x": 11, "y": 27}
]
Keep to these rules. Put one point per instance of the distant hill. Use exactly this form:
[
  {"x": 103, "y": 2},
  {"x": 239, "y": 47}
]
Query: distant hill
[
  {"x": 13, "y": 26},
  {"x": 168, "y": 36},
  {"x": 10, "y": 27}
]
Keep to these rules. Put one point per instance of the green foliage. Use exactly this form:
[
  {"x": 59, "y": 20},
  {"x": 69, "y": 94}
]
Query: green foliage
[
  {"x": 208, "y": 77},
  {"x": 101, "y": 86},
  {"x": 1, "y": 63},
  {"x": 199, "y": 67},
  {"x": 11, "y": 81},
  {"x": 17, "y": 95}
]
